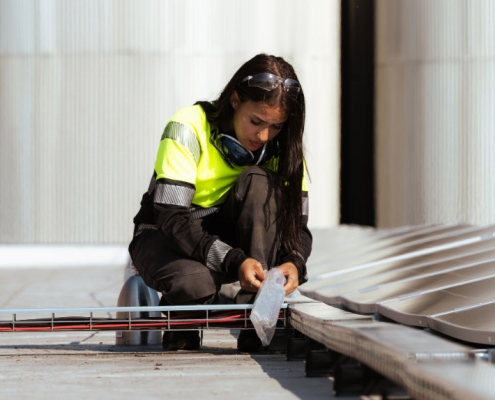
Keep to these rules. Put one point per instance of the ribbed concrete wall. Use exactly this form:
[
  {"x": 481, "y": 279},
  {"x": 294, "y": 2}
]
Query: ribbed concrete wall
[
  {"x": 86, "y": 87},
  {"x": 435, "y": 111}
]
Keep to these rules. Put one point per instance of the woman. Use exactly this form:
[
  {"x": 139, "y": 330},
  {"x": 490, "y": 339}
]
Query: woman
[{"x": 228, "y": 198}]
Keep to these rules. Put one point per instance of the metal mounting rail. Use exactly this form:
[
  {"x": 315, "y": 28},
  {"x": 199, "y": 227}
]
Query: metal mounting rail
[
  {"x": 428, "y": 366},
  {"x": 130, "y": 318}
]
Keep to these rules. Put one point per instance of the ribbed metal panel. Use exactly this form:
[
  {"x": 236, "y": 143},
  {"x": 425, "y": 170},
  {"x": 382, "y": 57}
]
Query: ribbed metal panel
[
  {"x": 87, "y": 86},
  {"x": 435, "y": 102}
]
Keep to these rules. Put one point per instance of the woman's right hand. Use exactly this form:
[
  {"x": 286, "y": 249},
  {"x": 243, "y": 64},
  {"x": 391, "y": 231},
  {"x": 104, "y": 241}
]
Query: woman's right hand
[{"x": 251, "y": 275}]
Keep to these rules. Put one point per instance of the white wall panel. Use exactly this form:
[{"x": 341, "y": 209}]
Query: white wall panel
[
  {"x": 87, "y": 86},
  {"x": 435, "y": 125}
]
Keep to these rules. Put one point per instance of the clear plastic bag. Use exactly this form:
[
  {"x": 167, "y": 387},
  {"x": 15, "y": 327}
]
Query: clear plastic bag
[{"x": 267, "y": 303}]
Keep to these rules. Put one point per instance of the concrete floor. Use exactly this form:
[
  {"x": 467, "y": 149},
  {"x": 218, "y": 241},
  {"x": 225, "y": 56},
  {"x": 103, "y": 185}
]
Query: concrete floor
[{"x": 61, "y": 365}]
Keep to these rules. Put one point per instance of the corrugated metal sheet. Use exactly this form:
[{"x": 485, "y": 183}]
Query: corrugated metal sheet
[
  {"x": 86, "y": 87},
  {"x": 435, "y": 124}
]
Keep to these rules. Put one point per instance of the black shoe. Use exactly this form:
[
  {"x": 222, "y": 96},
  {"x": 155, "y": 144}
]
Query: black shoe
[
  {"x": 248, "y": 341},
  {"x": 181, "y": 340}
]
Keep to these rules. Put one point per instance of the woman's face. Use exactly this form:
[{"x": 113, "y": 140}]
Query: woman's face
[{"x": 256, "y": 123}]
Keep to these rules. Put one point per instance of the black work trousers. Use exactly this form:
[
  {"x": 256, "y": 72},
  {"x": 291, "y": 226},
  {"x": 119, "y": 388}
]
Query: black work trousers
[{"x": 247, "y": 220}]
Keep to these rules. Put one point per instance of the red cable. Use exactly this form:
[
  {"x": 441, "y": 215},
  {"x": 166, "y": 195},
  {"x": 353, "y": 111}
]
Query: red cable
[{"x": 220, "y": 318}]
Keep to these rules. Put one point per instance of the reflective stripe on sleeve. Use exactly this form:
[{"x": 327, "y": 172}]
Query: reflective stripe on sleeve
[
  {"x": 216, "y": 255},
  {"x": 185, "y": 136},
  {"x": 173, "y": 194},
  {"x": 305, "y": 205},
  {"x": 198, "y": 213},
  {"x": 299, "y": 255}
]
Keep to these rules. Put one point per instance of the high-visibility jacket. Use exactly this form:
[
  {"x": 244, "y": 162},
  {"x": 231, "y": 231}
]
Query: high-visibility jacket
[{"x": 190, "y": 181}]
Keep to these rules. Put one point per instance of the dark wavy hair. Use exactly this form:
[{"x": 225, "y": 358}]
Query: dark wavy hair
[{"x": 289, "y": 141}]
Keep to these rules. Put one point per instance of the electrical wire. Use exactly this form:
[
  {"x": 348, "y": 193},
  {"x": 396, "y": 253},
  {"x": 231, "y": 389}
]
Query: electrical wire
[{"x": 232, "y": 319}]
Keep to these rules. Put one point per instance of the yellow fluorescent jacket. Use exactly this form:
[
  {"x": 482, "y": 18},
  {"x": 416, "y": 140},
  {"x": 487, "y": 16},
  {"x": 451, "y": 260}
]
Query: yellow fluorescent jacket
[{"x": 187, "y": 154}]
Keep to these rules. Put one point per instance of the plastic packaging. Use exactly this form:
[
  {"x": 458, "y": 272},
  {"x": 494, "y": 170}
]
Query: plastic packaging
[
  {"x": 294, "y": 294},
  {"x": 267, "y": 303}
]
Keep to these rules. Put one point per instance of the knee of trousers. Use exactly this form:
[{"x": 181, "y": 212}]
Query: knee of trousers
[
  {"x": 256, "y": 180},
  {"x": 180, "y": 280},
  {"x": 191, "y": 284},
  {"x": 254, "y": 170}
]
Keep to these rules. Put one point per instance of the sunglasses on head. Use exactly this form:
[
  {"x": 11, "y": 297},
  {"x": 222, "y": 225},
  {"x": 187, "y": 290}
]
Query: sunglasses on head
[
  {"x": 269, "y": 82},
  {"x": 234, "y": 153}
]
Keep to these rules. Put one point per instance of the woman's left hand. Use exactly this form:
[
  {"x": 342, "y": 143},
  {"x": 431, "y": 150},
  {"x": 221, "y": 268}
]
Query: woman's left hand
[{"x": 291, "y": 276}]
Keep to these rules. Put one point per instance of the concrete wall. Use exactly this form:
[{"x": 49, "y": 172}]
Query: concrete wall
[
  {"x": 86, "y": 87},
  {"x": 435, "y": 111}
]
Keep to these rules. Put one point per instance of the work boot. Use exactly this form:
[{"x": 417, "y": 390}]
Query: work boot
[
  {"x": 248, "y": 341},
  {"x": 181, "y": 340}
]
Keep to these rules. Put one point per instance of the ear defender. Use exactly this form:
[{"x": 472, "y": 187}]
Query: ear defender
[{"x": 234, "y": 153}]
